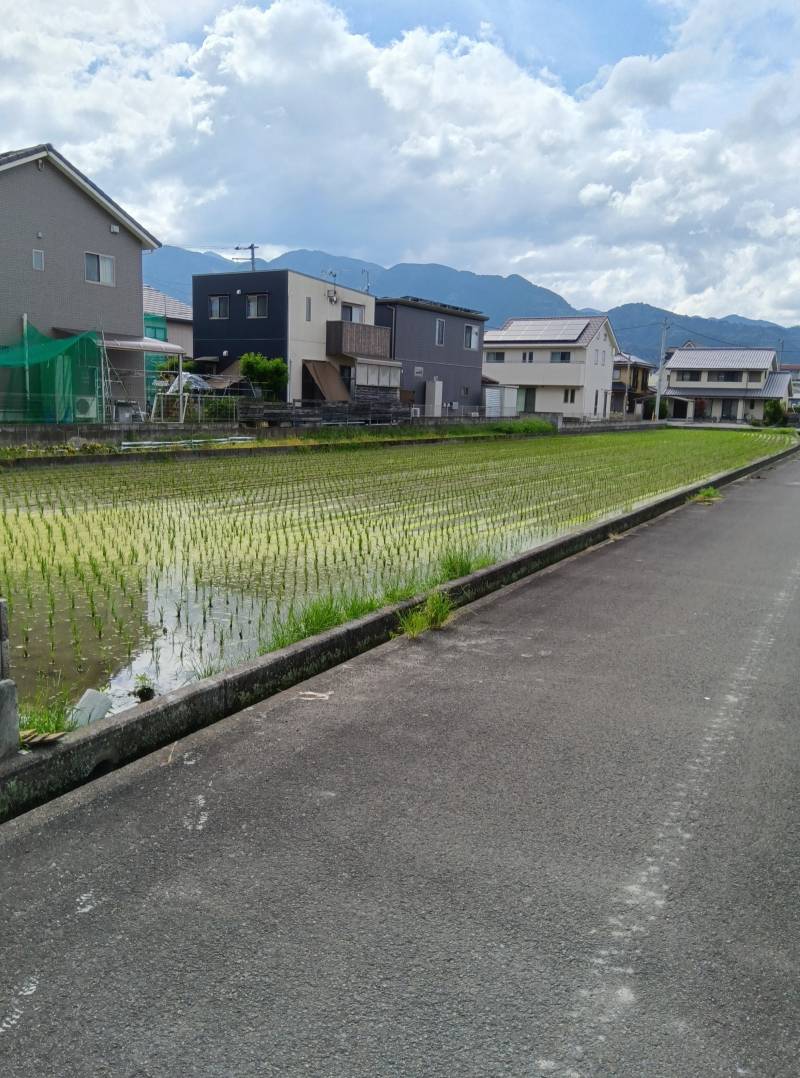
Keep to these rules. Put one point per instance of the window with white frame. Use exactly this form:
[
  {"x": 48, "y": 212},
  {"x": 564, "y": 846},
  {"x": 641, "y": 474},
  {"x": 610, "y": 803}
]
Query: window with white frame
[
  {"x": 257, "y": 305},
  {"x": 439, "y": 332},
  {"x": 471, "y": 337},
  {"x": 308, "y": 308},
  {"x": 351, "y": 312},
  {"x": 569, "y": 396},
  {"x": 376, "y": 374},
  {"x": 603, "y": 359},
  {"x": 218, "y": 307},
  {"x": 99, "y": 269},
  {"x": 495, "y": 357},
  {"x": 38, "y": 260},
  {"x": 560, "y": 357}
]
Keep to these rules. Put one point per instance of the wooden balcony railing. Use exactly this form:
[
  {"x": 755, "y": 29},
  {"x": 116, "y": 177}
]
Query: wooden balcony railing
[{"x": 358, "y": 339}]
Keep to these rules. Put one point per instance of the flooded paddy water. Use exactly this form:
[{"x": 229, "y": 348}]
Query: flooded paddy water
[{"x": 173, "y": 570}]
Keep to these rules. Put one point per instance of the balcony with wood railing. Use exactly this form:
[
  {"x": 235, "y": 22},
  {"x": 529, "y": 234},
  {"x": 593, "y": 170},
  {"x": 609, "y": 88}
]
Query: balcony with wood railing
[{"x": 358, "y": 339}]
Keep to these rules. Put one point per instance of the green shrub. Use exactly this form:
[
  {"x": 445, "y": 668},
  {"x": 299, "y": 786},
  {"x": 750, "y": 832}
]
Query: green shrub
[
  {"x": 219, "y": 408},
  {"x": 270, "y": 375},
  {"x": 774, "y": 413}
]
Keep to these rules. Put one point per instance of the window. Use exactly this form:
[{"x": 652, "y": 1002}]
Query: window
[
  {"x": 257, "y": 305},
  {"x": 687, "y": 376},
  {"x": 527, "y": 357},
  {"x": 352, "y": 313},
  {"x": 156, "y": 333},
  {"x": 596, "y": 395},
  {"x": 217, "y": 306},
  {"x": 569, "y": 396},
  {"x": 752, "y": 405},
  {"x": 724, "y": 376},
  {"x": 560, "y": 357},
  {"x": 38, "y": 260},
  {"x": 616, "y": 374},
  {"x": 752, "y": 376},
  {"x": 596, "y": 356},
  {"x": 603, "y": 361},
  {"x": 440, "y": 332},
  {"x": 471, "y": 335},
  {"x": 308, "y": 308},
  {"x": 99, "y": 269},
  {"x": 495, "y": 357},
  {"x": 373, "y": 374}
]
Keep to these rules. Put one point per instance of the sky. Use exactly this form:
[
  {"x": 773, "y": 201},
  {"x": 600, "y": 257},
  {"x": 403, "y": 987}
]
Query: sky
[{"x": 629, "y": 150}]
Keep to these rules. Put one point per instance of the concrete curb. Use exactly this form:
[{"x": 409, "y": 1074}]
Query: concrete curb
[{"x": 28, "y": 780}]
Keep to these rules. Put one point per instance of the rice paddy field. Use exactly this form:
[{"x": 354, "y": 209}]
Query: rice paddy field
[{"x": 172, "y": 570}]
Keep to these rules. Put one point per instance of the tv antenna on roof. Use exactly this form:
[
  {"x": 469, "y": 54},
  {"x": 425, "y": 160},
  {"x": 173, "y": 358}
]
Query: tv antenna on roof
[{"x": 365, "y": 277}]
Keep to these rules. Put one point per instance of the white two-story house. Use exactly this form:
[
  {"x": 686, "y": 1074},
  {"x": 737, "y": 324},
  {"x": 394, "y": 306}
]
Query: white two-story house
[
  {"x": 729, "y": 384},
  {"x": 556, "y": 364}
]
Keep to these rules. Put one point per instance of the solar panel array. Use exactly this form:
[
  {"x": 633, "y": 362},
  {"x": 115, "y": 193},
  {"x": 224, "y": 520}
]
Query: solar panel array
[{"x": 540, "y": 329}]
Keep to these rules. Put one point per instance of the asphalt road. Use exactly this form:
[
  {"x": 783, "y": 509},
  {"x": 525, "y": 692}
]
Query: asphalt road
[{"x": 558, "y": 838}]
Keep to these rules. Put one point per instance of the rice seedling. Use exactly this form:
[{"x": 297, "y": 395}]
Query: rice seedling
[{"x": 168, "y": 567}]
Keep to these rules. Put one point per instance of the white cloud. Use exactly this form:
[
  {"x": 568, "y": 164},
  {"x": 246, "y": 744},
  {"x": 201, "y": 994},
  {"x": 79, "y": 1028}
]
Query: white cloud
[{"x": 668, "y": 179}]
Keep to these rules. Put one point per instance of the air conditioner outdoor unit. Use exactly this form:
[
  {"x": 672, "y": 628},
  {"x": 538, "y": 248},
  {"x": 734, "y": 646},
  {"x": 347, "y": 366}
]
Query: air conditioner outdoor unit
[
  {"x": 86, "y": 407},
  {"x": 416, "y": 413}
]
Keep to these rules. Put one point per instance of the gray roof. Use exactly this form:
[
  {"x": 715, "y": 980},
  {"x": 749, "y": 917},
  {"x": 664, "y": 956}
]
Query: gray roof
[
  {"x": 732, "y": 359},
  {"x": 156, "y": 302},
  {"x": 628, "y": 357},
  {"x": 434, "y": 305},
  {"x": 778, "y": 384},
  {"x": 12, "y": 158},
  {"x": 576, "y": 330}
]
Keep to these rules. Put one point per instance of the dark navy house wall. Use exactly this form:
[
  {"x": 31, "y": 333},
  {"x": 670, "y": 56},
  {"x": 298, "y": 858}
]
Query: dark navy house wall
[
  {"x": 414, "y": 345},
  {"x": 238, "y": 334}
]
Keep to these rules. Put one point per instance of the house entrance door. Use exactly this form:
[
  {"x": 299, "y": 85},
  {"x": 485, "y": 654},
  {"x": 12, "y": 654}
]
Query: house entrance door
[{"x": 530, "y": 399}]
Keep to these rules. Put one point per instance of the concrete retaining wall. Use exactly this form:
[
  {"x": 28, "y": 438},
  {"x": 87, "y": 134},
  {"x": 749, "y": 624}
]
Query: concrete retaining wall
[
  {"x": 9, "y": 716},
  {"x": 30, "y": 780}
]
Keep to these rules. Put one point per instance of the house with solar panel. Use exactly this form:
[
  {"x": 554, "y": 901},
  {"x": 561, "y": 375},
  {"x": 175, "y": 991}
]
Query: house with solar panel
[
  {"x": 730, "y": 384},
  {"x": 556, "y": 365}
]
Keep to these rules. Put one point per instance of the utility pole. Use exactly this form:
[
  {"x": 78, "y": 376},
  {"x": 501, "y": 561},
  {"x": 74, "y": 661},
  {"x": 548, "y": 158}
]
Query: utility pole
[
  {"x": 252, "y": 248},
  {"x": 657, "y": 412}
]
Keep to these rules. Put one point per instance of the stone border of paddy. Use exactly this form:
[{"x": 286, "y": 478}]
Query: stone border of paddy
[{"x": 31, "y": 779}]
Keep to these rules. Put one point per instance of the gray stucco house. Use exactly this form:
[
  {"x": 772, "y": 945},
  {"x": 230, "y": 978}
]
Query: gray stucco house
[
  {"x": 70, "y": 263},
  {"x": 435, "y": 342}
]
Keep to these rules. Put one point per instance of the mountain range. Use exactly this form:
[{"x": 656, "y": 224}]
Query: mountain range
[{"x": 638, "y": 326}]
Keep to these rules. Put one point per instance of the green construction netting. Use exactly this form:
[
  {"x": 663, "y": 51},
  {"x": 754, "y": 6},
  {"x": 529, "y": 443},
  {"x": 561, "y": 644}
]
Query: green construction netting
[
  {"x": 155, "y": 327},
  {"x": 50, "y": 380}
]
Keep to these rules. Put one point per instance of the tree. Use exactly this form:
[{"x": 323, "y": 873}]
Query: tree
[
  {"x": 774, "y": 413},
  {"x": 269, "y": 375},
  {"x": 649, "y": 407},
  {"x": 172, "y": 363}
]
